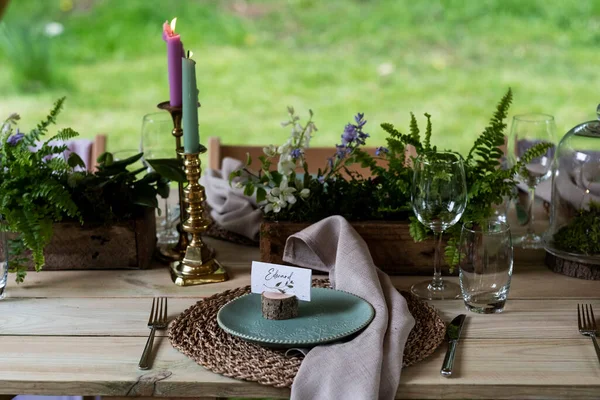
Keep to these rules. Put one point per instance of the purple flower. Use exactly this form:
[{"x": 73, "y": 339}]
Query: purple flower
[
  {"x": 16, "y": 138},
  {"x": 380, "y": 150},
  {"x": 342, "y": 151},
  {"x": 349, "y": 134},
  {"x": 296, "y": 153},
  {"x": 321, "y": 179},
  {"x": 330, "y": 162},
  {"x": 359, "y": 119}
]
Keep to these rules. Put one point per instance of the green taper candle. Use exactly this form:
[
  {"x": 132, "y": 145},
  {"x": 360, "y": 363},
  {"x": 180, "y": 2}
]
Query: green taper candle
[{"x": 191, "y": 137}]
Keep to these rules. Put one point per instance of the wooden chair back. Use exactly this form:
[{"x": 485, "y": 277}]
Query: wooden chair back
[
  {"x": 98, "y": 147},
  {"x": 316, "y": 157}
]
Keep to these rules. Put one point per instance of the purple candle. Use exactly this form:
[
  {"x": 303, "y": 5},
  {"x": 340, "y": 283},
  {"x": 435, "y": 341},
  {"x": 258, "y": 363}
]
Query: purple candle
[{"x": 174, "y": 55}]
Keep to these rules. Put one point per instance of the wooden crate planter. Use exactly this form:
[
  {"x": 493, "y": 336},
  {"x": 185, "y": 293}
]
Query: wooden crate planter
[
  {"x": 391, "y": 246},
  {"x": 128, "y": 244}
]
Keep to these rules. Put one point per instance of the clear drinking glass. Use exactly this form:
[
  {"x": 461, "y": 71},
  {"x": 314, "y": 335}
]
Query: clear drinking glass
[
  {"x": 485, "y": 265},
  {"x": 3, "y": 262},
  {"x": 528, "y": 130},
  {"x": 157, "y": 142},
  {"x": 439, "y": 198}
]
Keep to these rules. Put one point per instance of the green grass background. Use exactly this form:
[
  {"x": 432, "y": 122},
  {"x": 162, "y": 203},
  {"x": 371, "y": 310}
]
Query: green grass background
[{"x": 453, "y": 59}]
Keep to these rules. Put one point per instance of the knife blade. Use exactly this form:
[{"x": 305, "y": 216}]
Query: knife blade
[{"x": 452, "y": 335}]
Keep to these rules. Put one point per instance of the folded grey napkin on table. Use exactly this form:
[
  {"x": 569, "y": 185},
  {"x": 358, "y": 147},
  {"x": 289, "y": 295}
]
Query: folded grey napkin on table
[
  {"x": 230, "y": 208},
  {"x": 368, "y": 366}
]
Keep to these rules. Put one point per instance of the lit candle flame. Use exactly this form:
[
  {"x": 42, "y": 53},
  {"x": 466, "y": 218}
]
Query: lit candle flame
[
  {"x": 173, "y": 23},
  {"x": 190, "y": 54}
]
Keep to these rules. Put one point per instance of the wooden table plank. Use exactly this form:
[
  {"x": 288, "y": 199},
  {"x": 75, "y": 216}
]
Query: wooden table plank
[
  {"x": 529, "y": 282},
  {"x": 128, "y": 316},
  {"x": 108, "y": 366}
]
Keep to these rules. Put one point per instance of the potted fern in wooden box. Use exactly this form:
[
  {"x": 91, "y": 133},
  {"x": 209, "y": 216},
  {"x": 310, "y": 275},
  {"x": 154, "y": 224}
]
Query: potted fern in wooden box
[
  {"x": 67, "y": 218},
  {"x": 378, "y": 206}
]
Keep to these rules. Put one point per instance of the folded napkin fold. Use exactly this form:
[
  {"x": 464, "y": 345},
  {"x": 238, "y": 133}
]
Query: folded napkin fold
[
  {"x": 230, "y": 208},
  {"x": 368, "y": 366}
]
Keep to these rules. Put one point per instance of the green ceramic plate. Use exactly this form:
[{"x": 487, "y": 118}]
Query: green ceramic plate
[{"x": 330, "y": 316}]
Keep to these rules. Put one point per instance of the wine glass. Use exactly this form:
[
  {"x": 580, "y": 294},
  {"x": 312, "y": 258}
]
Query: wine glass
[
  {"x": 528, "y": 130},
  {"x": 156, "y": 143},
  {"x": 439, "y": 198}
]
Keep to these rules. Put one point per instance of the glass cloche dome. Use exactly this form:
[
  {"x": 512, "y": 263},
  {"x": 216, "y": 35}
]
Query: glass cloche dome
[{"x": 574, "y": 232}]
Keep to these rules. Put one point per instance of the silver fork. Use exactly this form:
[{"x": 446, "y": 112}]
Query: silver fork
[
  {"x": 587, "y": 325},
  {"x": 157, "y": 320}
]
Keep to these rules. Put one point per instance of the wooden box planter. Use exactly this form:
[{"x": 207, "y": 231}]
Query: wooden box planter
[
  {"x": 391, "y": 246},
  {"x": 128, "y": 244}
]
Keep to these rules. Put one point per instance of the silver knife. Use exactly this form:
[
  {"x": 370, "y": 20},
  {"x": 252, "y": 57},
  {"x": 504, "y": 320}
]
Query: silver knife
[{"x": 452, "y": 334}]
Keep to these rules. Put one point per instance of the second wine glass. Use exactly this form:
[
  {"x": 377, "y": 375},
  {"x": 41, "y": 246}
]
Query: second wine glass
[
  {"x": 528, "y": 130},
  {"x": 439, "y": 198},
  {"x": 155, "y": 144}
]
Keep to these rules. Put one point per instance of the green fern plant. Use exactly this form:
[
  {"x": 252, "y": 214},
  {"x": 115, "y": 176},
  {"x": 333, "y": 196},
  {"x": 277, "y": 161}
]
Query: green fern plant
[
  {"x": 31, "y": 194},
  {"x": 39, "y": 187},
  {"x": 487, "y": 183}
]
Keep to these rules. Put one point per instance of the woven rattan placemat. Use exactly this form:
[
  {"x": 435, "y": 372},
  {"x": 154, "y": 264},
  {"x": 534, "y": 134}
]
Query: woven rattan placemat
[{"x": 196, "y": 334}]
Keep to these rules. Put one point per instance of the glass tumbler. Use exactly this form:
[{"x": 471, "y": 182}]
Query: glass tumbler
[
  {"x": 3, "y": 261},
  {"x": 485, "y": 265}
]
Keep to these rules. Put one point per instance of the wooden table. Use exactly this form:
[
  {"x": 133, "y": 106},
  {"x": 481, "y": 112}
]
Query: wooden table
[{"x": 82, "y": 333}]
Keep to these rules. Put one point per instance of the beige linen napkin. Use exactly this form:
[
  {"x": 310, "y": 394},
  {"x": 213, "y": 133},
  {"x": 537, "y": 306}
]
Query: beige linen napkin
[
  {"x": 367, "y": 367},
  {"x": 230, "y": 208}
]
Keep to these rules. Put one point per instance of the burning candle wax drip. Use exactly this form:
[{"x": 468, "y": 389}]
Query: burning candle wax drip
[{"x": 174, "y": 54}]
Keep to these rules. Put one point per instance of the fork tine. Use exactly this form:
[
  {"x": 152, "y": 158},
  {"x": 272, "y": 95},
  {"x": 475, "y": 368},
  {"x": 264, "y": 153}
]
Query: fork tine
[
  {"x": 594, "y": 326},
  {"x": 158, "y": 307},
  {"x": 579, "y": 318},
  {"x": 588, "y": 320},
  {"x": 164, "y": 321},
  {"x": 151, "y": 313}
]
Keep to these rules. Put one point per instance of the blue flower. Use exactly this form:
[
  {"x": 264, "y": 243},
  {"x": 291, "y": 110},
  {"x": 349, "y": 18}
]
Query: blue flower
[
  {"x": 380, "y": 150},
  {"x": 342, "y": 151},
  {"x": 359, "y": 119},
  {"x": 330, "y": 162},
  {"x": 349, "y": 134},
  {"x": 16, "y": 138},
  {"x": 296, "y": 153}
]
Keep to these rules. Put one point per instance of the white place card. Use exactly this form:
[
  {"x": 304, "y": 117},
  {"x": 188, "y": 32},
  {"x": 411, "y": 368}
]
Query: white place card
[{"x": 281, "y": 279}]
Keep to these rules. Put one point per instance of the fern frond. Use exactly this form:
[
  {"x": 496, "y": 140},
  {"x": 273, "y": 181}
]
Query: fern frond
[
  {"x": 34, "y": 136},
  {"x": 427, "y": 144},
  {"x": 415, "y": 133},
  {"x": 64, "y": 135}
]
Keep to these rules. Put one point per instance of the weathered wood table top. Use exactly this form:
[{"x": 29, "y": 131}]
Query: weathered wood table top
[{"x": 82, "y": 333}]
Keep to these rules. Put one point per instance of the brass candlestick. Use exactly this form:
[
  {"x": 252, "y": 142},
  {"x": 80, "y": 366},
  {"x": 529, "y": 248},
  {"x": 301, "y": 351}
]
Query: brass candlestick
[
  {"x": 176, "y": 253},
  {"x": 199, "y": 266}
]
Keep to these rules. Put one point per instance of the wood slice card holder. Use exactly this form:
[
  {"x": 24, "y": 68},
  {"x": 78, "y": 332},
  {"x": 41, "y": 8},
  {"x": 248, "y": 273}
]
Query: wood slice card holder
[
  {"x": 393, "y": 249},
  {"x": 279, "y": 306}
]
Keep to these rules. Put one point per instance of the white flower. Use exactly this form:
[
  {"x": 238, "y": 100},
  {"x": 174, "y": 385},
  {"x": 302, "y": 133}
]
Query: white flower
[
  {"x": 270, "y": 151},
  {"x": 285, "y": 148},
  {"x": 238, "y": 185},
  {"x": 286, "y": 166},
  {"x": 53, "y": 29},
  {"x": 304, "y": 193}
]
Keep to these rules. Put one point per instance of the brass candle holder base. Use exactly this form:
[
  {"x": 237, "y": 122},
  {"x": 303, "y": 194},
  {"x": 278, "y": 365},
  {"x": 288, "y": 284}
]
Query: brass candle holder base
[{"x": 199, "y": 265}]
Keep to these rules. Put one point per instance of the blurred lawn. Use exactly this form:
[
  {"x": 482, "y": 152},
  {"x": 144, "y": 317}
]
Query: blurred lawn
[{"x": 453, "y": 59}]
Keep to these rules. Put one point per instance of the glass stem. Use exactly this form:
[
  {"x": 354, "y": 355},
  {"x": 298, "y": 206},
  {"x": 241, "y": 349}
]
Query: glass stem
[
  {"x": 530, "y": 230},
  {"x": 437, "y": 283}
]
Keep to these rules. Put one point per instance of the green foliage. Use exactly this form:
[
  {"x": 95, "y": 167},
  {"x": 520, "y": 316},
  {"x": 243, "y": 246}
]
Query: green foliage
[
  {"x": 582, "y": 234},
  {"x": 386, "y": 194},
  {"x": 31, "y": 194},
  {"x": 114, "y": 192},
  {"x": 38, "y": 187}
]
